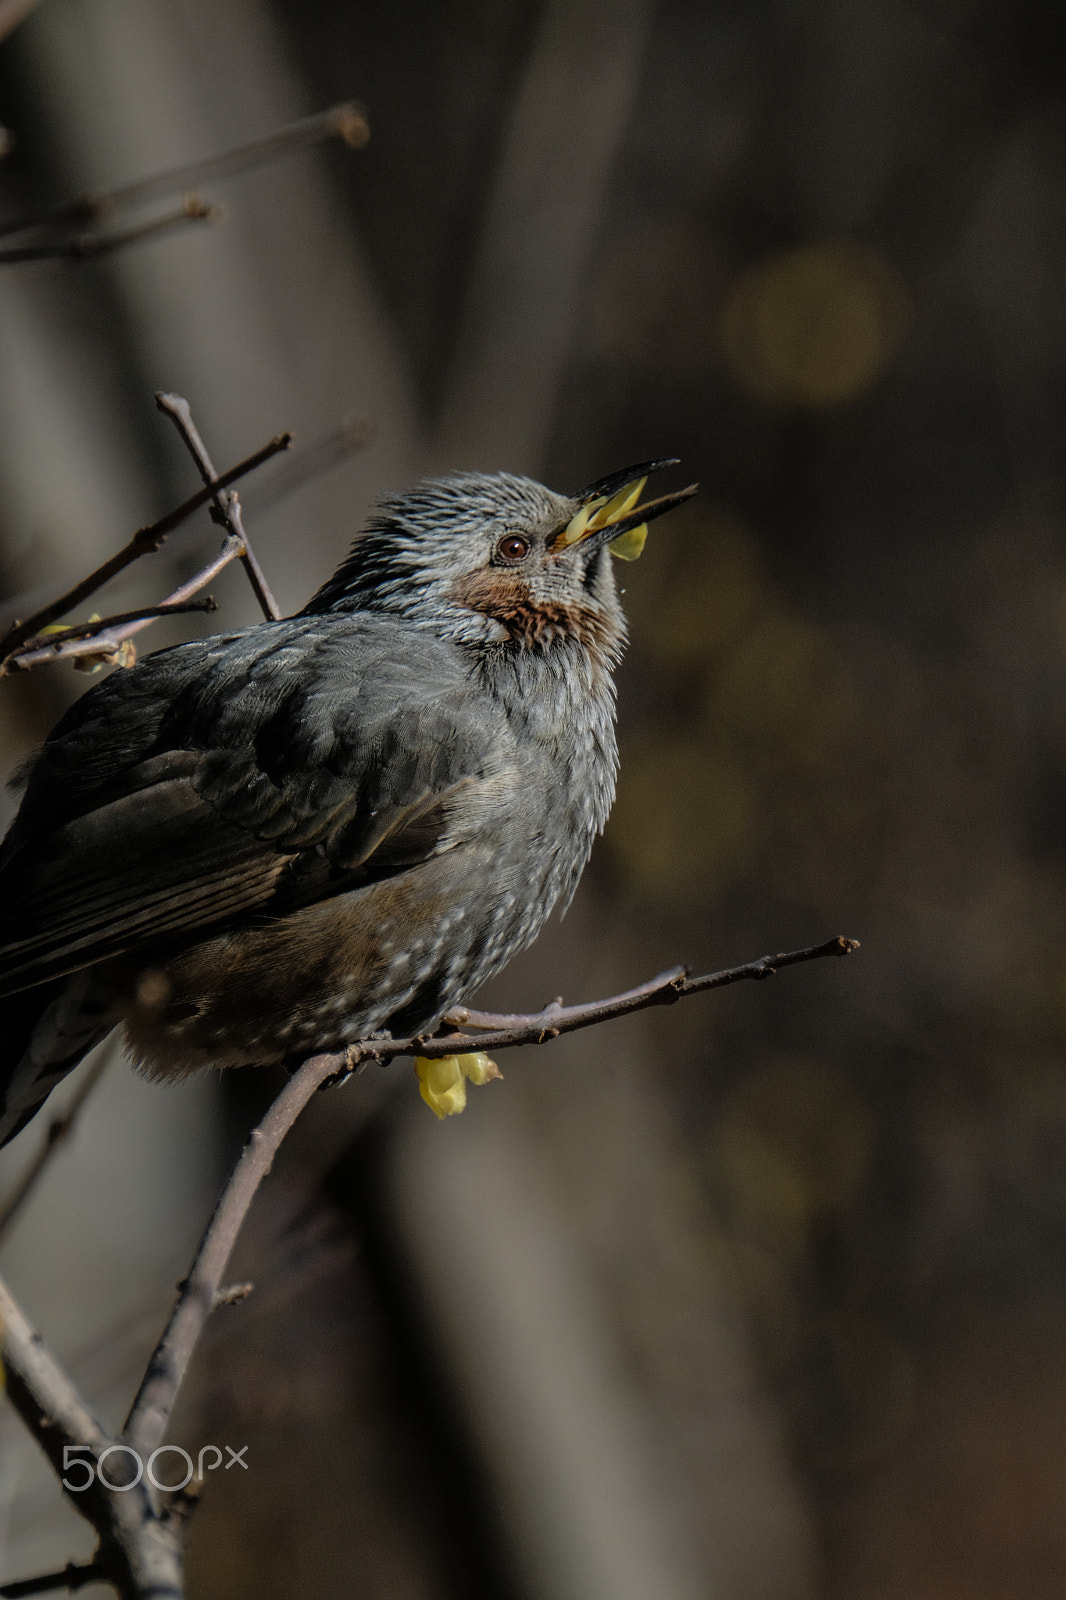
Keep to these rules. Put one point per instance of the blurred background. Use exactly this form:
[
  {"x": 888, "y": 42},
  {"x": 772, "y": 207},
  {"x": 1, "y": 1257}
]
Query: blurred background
[{"x": 763, "y": 1296}]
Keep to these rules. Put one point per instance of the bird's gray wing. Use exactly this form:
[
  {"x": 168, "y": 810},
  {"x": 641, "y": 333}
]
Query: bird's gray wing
[{"x": 263, "y": 787}]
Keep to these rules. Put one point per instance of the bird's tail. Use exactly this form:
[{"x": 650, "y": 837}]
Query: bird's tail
[{"x": 44, "y": 1033}]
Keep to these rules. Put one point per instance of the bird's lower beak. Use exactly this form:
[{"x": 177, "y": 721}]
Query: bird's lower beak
[{"x": 610, "y": 515}]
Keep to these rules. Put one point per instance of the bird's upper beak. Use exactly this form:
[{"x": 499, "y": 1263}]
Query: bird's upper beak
[{"x": 609, "y": 514}]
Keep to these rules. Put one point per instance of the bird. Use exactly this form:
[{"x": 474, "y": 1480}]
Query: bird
[{"x": 256, "y": 846}]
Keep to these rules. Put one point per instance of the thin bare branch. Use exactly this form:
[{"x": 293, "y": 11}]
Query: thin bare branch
[
  {"x": 199, "y": 1294},
  {"x": 40, "y": 1390},
  {"x": 87, "y": 246},
  {"x": 504, "y": 1032},
  {"x": 157, "y": 531},
  {"x": 649, "y": 992},
  {"x": 345, "y": 122},
  {"x": 144, "y": 542},
  {"x": 106, "y": 644},
  {"x": 227, "y": 507},
  {"x": 90, "y": 630},
  {"x": 151, "y": 1409},
  {"x": 140, "y": 1545}
]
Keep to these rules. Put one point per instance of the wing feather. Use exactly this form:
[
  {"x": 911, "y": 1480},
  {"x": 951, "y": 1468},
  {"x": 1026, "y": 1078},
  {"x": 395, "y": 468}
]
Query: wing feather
[{"x": 337, "y": 783}]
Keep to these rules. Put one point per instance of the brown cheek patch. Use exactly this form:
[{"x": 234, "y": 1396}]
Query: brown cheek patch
[{"x": 508, "y": 600}]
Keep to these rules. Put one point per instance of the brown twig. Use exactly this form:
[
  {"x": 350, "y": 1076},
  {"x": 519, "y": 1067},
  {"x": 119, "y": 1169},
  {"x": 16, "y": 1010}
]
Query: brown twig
[
  {"x": 87, "y": 246},
  {"x": 57, "y": 1415},
  {"x": 504, "y": 1031},
  {"x": 144, "y": 542},
  {"x": 226, "y": 509},
  {"x": 151, "y": 1409},
  {"x": 651, "y": 992},
  {"x": 345, "y": 122},
  {"x": 108, "y": 643},
  {"x": 141, "y": 1545},
  {"x": 90, "y": 630},
  {"x": 170, "y": 1359},
  {"x": 157, "y": 531}
]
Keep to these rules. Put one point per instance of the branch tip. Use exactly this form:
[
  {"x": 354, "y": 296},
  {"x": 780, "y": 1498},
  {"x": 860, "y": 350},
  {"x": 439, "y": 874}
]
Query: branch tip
[
  {"x": 350, "y": 124},
  {"x": 233, "y": 1294},
  {"x": 227, "y": 507}
]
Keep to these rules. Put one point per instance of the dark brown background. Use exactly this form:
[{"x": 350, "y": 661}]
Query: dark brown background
[{"x": 760, "y": 1296}]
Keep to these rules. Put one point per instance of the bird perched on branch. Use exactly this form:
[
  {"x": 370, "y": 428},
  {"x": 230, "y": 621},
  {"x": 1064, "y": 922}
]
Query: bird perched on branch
[{"x": 256, "y": 846}]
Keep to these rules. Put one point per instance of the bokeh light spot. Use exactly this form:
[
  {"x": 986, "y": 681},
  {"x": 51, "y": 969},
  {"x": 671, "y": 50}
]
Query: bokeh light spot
[{"x": 815, "y": 325}]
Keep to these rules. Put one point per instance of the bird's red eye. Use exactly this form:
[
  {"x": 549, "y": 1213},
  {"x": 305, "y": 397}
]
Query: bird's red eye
[{"x": 512, "y": 547}]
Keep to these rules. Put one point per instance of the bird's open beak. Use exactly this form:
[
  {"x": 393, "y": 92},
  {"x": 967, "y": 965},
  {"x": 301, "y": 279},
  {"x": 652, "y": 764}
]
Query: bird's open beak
[{"x": 610, "y": 515}]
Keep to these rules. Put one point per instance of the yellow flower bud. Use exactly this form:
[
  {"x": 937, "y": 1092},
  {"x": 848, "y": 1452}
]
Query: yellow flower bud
[{"x": 442, "y": 1083}]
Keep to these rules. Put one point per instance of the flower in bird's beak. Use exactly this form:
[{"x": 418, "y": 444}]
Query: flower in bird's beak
[{"x": 611, "y": 504}]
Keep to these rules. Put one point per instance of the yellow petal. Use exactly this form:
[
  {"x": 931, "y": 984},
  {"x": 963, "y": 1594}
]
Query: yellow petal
[
  {"x": 478, "y": 1068},
  {"x": 441, "y": 1085},
  {"x": 578, "y": 524},
  {"x": 628, "y": 546},
  {"x": 619, "y": 504},
  {"x": 66, "y": 627}
]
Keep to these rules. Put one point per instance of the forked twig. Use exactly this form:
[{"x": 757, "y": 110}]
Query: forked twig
[
  {"x": 150, "y": 1412},
  {"x": 142, "y": 1541},
  {"x": 226, "y": 509},
  {"x": 87, "y": 246},
  {"x": 144, "y": 542},
  {"x": 107, "y": 643},
  {"x": 141, "y": 1530},
  {"x": 345, "y": 121},
  {"x": 94, "y": 627},
  {"x": 503, "y": 1031}
]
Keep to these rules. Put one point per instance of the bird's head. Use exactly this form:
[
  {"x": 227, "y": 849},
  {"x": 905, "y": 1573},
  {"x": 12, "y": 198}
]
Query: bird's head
[{"x": 491, "y": 558}]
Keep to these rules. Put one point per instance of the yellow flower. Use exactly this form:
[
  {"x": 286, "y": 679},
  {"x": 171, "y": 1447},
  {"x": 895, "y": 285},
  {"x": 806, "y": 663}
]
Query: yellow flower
[
  {"x": 442, "y": 1083},
  {"x": 124, "y": 656}
]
